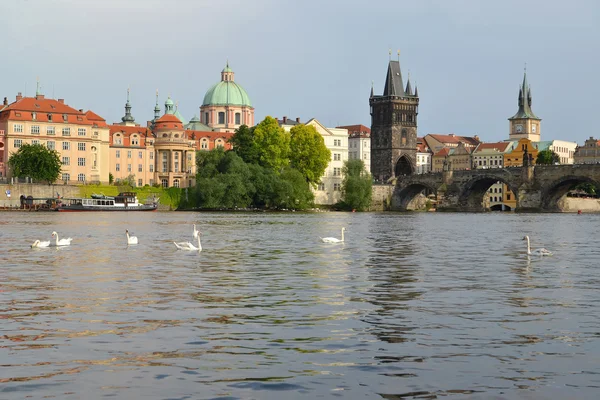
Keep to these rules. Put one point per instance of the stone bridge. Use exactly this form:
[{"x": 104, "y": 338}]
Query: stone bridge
[{"x": 536, "y": 188}]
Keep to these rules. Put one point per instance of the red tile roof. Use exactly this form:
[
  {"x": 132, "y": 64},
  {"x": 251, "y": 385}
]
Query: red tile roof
[
  {"x": 500, "y": 146},
  {"x": 356, "y": 129},
  {"x": 454, "y": 139},
  {"x": 24, "y": 109},
  {"x": 168, "y": 121},
  {"x": 443, "y": 152}
]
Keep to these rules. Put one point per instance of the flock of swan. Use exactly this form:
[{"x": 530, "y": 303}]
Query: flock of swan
[{"x": 132, "y": 240}]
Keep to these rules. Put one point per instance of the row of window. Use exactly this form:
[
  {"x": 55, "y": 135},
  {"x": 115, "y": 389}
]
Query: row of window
[
  {"x": 336, "y": 187},
  {"x": 80, "y": 161},
  {"x": 355, "y": 155},
  {"x": 51, "y": 145},
  {"x": 221, "y": 118},
  {"x": 355, "y": 144},
  {"x": 50, "y": 130}
]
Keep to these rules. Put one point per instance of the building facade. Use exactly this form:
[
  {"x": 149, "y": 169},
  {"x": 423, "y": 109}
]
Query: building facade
[
  {"x": 226, "y": 105},
  {"x": 394, "y": 127},
  {"x": 525, "y": 124},
  {"x": 80, "y": 138},
  {"x": 589, "y": 153},
  {"x": 359, "y": 144}
]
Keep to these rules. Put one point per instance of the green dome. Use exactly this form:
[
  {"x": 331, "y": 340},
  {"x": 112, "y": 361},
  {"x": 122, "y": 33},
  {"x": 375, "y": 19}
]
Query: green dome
[{"x": 226, "y": 93}]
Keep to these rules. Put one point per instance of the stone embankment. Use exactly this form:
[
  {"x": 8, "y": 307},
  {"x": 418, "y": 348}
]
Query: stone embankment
[{"x": 10, "y": 194}]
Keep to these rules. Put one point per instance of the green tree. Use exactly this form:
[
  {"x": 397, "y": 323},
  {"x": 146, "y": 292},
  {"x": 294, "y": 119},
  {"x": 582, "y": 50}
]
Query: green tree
[
  {"x": 272, "y": 143},
  {"x": 547, "y": 157},
  {"x": 308, "y": 153},
  {"x": 244, "y": 145},
  {"x": 37, "y": 162},
  {"x": 357, "y": 186}
]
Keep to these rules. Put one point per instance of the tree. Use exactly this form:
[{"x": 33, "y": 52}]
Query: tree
[
  {"x": 357, "y": 186},
  {"x": 293, "y": 192},
  {"x": 244, "y": 145},
  {"x": 308, "y": 153},
  {"x": 37, "y": 162},
  {"x": 272, "y": 144},
  {"x": 547, "y": 157}
]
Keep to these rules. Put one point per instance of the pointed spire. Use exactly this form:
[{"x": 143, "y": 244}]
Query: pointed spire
[
  {"x": 408, "y": 86},
  {"x": 372, "y": 83},
  {"x": 128, "y": 118},
  {"x": 524, "y": 100},
  {"x": 416, "y": 91},
  {"x": 38, "y": 87},
  {"x": 393, "y": 81}
]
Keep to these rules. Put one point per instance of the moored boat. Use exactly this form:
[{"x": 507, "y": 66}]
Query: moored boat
[{"x": 125, "y": 201}]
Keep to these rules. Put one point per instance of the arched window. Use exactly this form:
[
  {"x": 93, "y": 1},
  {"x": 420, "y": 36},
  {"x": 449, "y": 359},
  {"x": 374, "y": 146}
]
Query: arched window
[
  {"x": 176, "y": 183},
  {"x": 165, "y": 183}
]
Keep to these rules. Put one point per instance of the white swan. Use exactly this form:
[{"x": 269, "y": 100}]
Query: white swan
[
  {"x": 131, "y": 239},
  {"x": 38, "y": 243},
  {"x": 536, "y": 252},
  {"x": 195, "y": 232},
  {"x": 188, "y": 245},
  {"x": 334, "y": 240},
  {"x": 61, "y": 242}
]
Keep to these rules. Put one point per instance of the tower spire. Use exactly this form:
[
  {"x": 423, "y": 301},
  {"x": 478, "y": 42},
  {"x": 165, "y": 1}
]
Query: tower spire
[
  {"x": 128, "y": 118},
  {"x": 408, "y": 86},
  {"x": 38, "y": 87},
  {"x": 372, "y": 88}
]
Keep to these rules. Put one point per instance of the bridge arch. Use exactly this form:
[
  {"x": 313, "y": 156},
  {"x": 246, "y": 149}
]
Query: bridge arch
[
  {"x": 472, "y": 195},
  {"x": 554, "y": 191},
  {"x": 404, "y": 196}
]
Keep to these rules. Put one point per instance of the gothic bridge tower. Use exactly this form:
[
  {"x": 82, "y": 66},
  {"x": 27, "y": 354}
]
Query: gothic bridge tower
[{"x": 394, "y": 127}]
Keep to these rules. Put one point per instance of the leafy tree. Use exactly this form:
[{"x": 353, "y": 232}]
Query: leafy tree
[
  {"x": 308, "y": 153},
  {"x": 293, "y": 191},
  {"x": 272, "y": 143},
  {"x": 547, "y": 157},
  {"x": 111, "y": 178},
  {"x": 37, "y": 162},
  {"x": 244, "y": 145},
  {"x": 357, "y": 186}
]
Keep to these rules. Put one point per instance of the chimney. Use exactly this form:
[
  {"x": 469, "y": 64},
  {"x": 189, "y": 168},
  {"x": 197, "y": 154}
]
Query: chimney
[
  {"x": 298, "y": 119},
  {"x": 284, "y": 119},
  {"x": 39, "y": 97},
  {"x": 19, "y": 96},
  {"x": 61, "y": 101},
  {"x": 5, "y": 101}
]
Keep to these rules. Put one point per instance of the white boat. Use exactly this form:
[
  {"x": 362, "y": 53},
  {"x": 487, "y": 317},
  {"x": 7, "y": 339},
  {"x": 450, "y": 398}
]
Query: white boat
[{"x": 125, "y": 201}]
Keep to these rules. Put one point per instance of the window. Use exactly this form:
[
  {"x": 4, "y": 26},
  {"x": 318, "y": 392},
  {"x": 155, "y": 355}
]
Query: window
[
  {"x": 140, "y": 154},
  {"x": 66, "y": 161},
  {"x": 49, "y": 130},
  {"x": 128, "y": 153},
  {"x": 508, "y": 196},
  {"x": 81, "y": 161},
  {"x": 81, "y": 132},
  {"x": 337, "y": 142},
  {"x": 140, "y": 182},
  {"x": 337, "y": 156},
  {"x": 206, "y": 118},
  {"x": 165, "y": 183},
  {"x": 50, "y": 117},
  {"x": 117, "y": 167},
  {"x": 238, "y": 118},
  {"x": 337, "y": 186},
  {"x": 18, "y": 128},
  {"x": 128, "y": 167},
  {"x": 151, "y": 167},
  {"x": 321, "y": 186},
  {"x": 35, "y": 129},
  {"x": 66, "y": 131},
  {"x": 152, "y": 155},
  {"x": 81, "y": 146},
  {"x": 18, "y": 143},
  {"x": 34, "y": 115},
  {"x": 35, "y": 141},
  {"x": 81, "y": 177},
  {"x": 66, "y": 177},
  {"x": 135, "y": 141},
  {"x": 139, "y": 167},
  {"x": 118, "y": 154},
  {"x": 66, "y": 146},
  {"x": 204, "y": 144},
  {"x": 51, "y": 145},
  {"x": 219, "y": 143},
  {"x": 65, "y": 117},
  {"x": 176, "y": 183},
  {"x": 221, "y": 118},
  {"x": 337, "y": 171}
]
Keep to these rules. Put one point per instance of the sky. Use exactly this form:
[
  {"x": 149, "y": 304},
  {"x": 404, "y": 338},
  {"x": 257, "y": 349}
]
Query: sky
[{"x": 314, "y": 59}]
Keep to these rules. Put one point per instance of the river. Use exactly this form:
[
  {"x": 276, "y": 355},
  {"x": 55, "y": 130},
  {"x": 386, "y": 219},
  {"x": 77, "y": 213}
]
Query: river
[{"x": 412, "y": 305}]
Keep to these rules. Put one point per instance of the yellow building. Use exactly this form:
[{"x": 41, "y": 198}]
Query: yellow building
[
  {"x": 514, "y": 158},
  {"x": 80, "y": 138}
]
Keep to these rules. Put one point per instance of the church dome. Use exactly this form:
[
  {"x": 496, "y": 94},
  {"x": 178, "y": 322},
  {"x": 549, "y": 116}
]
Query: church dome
[{"x": 226, "y": 92}]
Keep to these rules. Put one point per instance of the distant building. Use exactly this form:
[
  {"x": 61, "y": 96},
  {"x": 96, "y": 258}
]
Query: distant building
[
  {"x": 589, "y": 153},
  {"x": 394, "y": 127},
  {"x": 80, "y": 138},
  {"x": 359, "y": 144},
  {"x": 226, "y": 105},
  {"x": 436, "y": 142},
  {"x": 525, "y": 124},
  {"x": 491, "y": 155},
  {"x": 424, "y": 157},
  {"x": 565, "y": 150}
]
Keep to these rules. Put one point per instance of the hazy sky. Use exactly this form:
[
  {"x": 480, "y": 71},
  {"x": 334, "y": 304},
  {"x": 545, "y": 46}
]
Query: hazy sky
[{"x": 314, "y": 58}]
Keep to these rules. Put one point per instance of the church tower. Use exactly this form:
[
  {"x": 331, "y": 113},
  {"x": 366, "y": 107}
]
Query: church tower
[
  {"x": 524, "y": 124},
  {"x": 394, "y": 127}
]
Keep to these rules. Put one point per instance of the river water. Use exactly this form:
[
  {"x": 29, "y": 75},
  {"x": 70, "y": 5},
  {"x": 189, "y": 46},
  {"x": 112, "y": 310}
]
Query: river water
[{"x": 416, "y": 305}]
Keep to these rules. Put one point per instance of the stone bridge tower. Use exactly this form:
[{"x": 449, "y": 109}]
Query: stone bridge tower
[{"x": 394, "y": 127}]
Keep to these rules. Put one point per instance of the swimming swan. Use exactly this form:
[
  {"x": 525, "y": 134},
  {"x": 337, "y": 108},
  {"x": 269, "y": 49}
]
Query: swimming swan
[
  {"x": 131, "y": 239},
  {"x": 37, "y": 243},
  {"x": 536, "y": 252},
  {"x": 334, "y": 240},
  {"x": 61, "y": 242},
  {"x": 188, "y": 245},
  {"x": 195, "y": 232}
]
